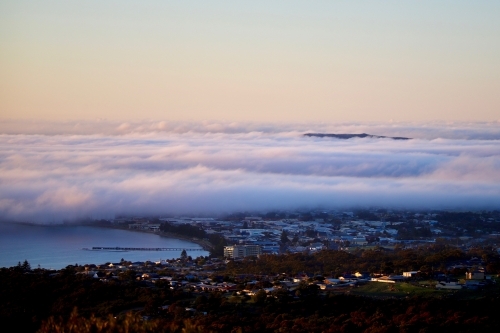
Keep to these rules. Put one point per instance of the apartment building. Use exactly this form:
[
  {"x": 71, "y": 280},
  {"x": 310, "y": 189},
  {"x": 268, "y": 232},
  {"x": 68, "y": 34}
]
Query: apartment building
[{"x": 240, "y": 251}]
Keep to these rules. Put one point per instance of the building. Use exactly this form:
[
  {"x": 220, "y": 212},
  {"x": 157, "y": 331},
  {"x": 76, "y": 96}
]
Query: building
[
  {"x": 410, "y": 274},
  {"x": 448, "y": 285},
  {"x": 475, "y": 275},
  {"x": 240, "y": 251},
  {"x": 359, "y": 241}
]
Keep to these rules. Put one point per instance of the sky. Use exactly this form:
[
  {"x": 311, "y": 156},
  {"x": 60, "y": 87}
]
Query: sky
[
  {"x": 258, "y": 61},
  {"x": 199, "y": 107}
]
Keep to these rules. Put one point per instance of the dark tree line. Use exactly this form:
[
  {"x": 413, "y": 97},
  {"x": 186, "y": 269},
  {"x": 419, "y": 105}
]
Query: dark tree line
[
  {"x": 184, "y": 229},
  {"x": 435, "y": 257},
  {"x": 28, "y": 298},
  {"x": 311, "y": 313}
]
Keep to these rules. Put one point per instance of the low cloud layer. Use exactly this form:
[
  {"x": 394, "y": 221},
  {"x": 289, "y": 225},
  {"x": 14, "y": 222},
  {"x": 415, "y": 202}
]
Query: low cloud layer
[{"x": 50, "y": 172}]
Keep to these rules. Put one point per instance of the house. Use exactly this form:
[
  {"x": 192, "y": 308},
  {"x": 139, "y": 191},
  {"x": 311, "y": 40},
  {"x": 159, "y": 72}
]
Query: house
[
  {"x": 448, "y": 285},
  {"x": 474, "y": 275},
  {"x": 153, "y": 227},
  {"x": 384, "y": 279},
  {"x": 332, "y": 281},
  {"x": 359, "y": 241},
  {"x": 316, "y": 246},
  {"x": 410, "y": 274},
  {"x": 116, "y": 265},
  {"x": 396, "y": 278},
  {"x": 362, "y": 275}
]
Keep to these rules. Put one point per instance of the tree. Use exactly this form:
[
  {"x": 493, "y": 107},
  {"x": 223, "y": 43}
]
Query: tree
[
  {"x": 311, "y": 233},
  {"x": 184, "y": 254},
  {"x": 259, "y": 297},
  {"x": 26, "y": 266},
  {"x": 218, "y": 243},
  {"x": 128, "y": 275},
  {"x": 284, "y": 237}
]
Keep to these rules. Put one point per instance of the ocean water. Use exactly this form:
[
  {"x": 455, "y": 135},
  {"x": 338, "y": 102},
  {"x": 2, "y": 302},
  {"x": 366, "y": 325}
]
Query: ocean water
[{"x": 59, "y": 246}]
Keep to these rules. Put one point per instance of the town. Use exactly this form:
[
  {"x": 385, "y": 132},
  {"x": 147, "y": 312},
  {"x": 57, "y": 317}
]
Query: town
[
  {"x": 235, "y": 237},
  {"x": 291, "y": 265},
  {"x": 317, "y": 230}
]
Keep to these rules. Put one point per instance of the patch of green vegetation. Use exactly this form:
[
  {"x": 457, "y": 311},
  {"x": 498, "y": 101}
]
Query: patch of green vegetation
[
  {"x": 403, "y": 289},
  {"x": 424, "y": 289}
]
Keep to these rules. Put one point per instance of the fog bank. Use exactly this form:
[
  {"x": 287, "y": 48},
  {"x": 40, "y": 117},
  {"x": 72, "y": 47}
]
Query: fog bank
[{"x": 50, "y": 172}]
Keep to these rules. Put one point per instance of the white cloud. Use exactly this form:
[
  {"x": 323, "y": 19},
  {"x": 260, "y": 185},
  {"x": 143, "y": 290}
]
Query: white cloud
[{"x": 62, "y": 172}]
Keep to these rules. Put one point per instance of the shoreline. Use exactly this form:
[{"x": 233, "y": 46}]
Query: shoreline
[
  {"x": 205, "y": 245},
  {"x": 57, "y": 246}
]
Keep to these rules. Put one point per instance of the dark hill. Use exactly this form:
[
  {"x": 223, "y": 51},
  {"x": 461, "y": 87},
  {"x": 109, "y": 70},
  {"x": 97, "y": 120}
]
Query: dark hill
[{"x": 350, "y": 136}]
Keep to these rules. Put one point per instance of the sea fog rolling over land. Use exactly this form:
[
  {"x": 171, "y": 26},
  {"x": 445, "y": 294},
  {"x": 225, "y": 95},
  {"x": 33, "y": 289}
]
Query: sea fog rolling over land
[{"x": 52, "y": 172}]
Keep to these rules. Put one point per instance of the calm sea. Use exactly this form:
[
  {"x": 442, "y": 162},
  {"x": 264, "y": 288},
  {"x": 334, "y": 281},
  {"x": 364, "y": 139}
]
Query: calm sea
[{"x": 60, "y": 246}]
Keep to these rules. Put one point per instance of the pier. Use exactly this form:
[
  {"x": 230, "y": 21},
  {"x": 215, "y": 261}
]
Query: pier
[{"x": 105, "y": 248}]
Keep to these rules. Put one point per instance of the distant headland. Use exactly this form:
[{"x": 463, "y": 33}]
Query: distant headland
[{"x": 350, "y": 136}]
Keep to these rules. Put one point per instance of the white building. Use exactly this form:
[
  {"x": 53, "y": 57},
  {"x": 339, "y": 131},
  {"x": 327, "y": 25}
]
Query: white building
[{"x": 240, "y": 251}]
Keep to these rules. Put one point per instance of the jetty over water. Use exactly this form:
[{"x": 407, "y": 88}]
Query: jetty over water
[{"x": 105, "y": 248}]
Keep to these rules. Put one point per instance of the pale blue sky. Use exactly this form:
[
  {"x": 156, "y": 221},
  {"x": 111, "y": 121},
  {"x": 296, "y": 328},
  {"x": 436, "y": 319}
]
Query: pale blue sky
[{"x": 250, "y": 61}]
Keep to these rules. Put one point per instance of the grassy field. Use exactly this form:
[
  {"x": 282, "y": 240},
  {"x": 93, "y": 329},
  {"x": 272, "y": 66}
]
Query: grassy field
[
  {"x": 403, "y": 289},
  {"x": 420, "y": 289}
]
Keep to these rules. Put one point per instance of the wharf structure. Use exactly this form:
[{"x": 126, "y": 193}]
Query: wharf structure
[{"x": 105, "y": 248}]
